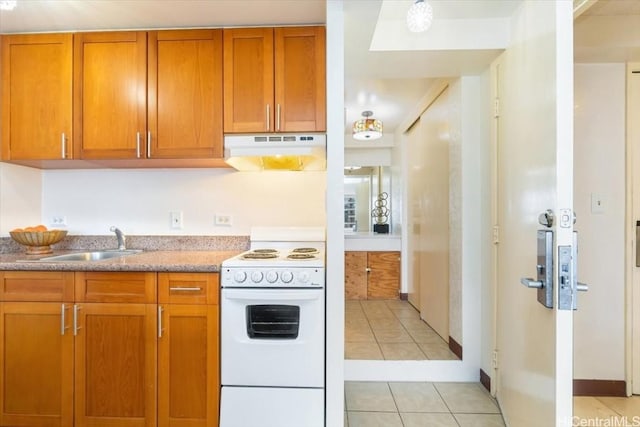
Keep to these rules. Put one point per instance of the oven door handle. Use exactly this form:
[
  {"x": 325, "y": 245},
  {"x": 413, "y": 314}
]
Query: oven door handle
[{"x": 269, "y": 295}]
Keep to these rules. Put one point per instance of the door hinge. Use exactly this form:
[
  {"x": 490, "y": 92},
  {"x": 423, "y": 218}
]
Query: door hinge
[
  {"x": 494, "y": 359},
  {"x": 496, "y": 235},
  {"x": 496, "y": 107}
]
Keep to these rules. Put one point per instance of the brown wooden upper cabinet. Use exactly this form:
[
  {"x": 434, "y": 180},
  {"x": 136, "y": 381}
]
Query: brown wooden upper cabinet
[
  {"x": 37, "y": 96},
  {"x": 154, "y": 94},
  {"x": 274, "y": 79}
]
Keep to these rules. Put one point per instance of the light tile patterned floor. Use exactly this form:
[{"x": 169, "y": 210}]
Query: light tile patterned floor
[
  {"x": 606, "y": 411},
  {"x": 390, "y": 330},
  {"x": 419, "y": 404},
  {"x": 423, "y": 404}
]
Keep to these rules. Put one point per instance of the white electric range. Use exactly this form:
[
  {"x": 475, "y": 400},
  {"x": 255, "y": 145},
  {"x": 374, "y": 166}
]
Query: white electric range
[{"x": 273, "y": 330}]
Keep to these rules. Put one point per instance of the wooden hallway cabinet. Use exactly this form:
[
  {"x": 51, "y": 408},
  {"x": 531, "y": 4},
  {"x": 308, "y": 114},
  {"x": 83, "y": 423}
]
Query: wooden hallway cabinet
[{"x": 372, "y": 274}]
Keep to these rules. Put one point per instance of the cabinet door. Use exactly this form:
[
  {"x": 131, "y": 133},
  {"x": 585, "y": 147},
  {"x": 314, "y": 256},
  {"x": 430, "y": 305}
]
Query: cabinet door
[
  {"x": 300, "y": 99},
  {"x": 188, "y": 366},
  {"x": 110, "y": 76},
  {"x": 115, "y": 365},
  {"x": 384, "y": 275},
  {"x": 185, "y": 94},
  {"x": 36, "y": 357},
  {"x": 355, "y": 275},
  {"x": 37, "y": 96},
  {"x": 248, "y": 80}
]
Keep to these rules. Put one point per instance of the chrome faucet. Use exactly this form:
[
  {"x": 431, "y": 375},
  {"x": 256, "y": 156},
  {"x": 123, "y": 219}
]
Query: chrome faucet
[{"x": 121, "y": 238}]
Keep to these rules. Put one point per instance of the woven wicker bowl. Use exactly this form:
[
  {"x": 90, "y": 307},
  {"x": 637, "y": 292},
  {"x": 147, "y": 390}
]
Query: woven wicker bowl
[{"x": 38, "y": 242}]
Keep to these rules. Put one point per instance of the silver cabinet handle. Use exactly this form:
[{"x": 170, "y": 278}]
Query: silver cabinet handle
[
  {"x": 268, "y": 117},
  {"x": 149, "y": 144},
  {"x": 530, "y": 283},
  {"x": 160, "y": 321},
  {"x": 185, "y": 289},
  {"x": 138, "y": 145},
  {"x": 368, "y": 270},
  {"x": 63, "y": 321},
  {"x": 582, "y": 287},
  {"x": 64, "y": 146},
  {"x": 278, "y": 118},
  {"x": 76, "y": 308}
]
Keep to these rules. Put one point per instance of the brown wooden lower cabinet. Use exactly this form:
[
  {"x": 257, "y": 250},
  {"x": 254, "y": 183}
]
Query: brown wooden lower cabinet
[
  {"x": 36, "y": 380},
  {"x": 115, "y": 365},
  {"x": 372, "y": 275},
  {"x": 188, "y": 350},
  {"x": 76, "y": 363}
]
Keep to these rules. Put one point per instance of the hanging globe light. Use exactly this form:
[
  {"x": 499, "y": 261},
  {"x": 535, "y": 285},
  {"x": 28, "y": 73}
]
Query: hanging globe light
[{"x": 419, "y": 16}]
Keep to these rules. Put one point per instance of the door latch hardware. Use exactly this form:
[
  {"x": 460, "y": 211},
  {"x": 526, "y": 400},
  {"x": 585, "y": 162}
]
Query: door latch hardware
[
  {"x": 530, "y": 283},
  {"x": 568, "y": 276},
  {"x": 544, "y": 265}
]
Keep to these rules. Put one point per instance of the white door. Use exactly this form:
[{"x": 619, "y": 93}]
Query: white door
[
  {"x": 535, "y": 173},
  {"x": 432, "y": 179},
  {"x": 633, "y": 135}
]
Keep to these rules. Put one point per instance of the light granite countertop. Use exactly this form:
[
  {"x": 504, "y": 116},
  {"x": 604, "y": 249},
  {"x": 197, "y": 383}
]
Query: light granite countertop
[
  {"x": 170, "y": 260},
  {"x": 159, "y": 253}
]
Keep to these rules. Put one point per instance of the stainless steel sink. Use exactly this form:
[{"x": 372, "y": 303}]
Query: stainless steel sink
[{"x": 90, "y": 256}]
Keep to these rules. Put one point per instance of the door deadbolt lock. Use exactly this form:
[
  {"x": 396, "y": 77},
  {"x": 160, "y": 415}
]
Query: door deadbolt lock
[{"x": 546, "y": 218}]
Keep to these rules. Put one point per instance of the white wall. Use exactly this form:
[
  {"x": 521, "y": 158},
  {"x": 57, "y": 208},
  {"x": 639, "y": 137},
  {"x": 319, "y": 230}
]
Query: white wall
[
  {"x": 20, "y": 197},
  {"x": 335, "y": 224},
  {"x": 139, "y": 201},
  {"x": 599, "y": 168}
]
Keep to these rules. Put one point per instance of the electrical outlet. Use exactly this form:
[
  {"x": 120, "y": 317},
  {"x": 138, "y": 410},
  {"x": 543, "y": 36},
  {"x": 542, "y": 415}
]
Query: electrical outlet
[
  {"x": 224, "y": 220},
  {"x": 58, "y": 221},
  {"x": 176, "y": 219}
]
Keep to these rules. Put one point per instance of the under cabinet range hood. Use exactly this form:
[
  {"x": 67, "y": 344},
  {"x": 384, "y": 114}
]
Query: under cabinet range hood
[{"x": 287, "y": 152}]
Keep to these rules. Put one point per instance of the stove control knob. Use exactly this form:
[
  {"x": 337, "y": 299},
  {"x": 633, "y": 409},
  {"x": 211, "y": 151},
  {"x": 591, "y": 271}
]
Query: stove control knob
[
  {"x": 239, "y": 276},
  {"x": 286, "y": 276},
  {"x": 303, "y": 277},
  {"x": 272, "y": 276},
  {"x": 257, "y": 276}
]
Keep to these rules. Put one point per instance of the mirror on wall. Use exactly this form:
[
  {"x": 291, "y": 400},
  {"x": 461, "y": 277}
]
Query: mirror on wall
[{"x": 362, "y": 187}]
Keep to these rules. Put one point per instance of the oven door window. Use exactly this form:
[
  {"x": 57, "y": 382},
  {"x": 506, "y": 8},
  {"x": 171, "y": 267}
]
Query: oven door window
[{"x": 273, "y": 321}]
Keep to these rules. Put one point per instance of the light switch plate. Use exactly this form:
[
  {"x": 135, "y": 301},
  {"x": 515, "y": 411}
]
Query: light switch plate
[
  {"x": 175, "y": 218},
  {"x": 597, "y": 203}
]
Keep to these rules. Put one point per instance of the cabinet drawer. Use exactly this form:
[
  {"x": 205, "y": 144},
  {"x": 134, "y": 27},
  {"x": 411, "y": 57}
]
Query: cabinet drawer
[
  {"x": 188, "y": 288},
  {"x": 36, "y": 286},
  {"x": 130, "y": 287}
]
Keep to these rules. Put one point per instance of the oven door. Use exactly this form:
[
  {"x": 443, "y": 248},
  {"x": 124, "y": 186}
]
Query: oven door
[{"x": 272, "y": 337}]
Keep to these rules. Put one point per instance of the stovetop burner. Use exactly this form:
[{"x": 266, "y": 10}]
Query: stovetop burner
[
  {"x": 304, "y": 251},
  {"x": 260, "y": 255},
  {"x": 265, "y": 251},
  {"x": 298, "y": 256}
]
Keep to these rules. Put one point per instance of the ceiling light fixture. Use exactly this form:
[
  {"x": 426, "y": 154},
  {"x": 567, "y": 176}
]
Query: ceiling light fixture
[
  {"x": 367, "y": 128},
  {"x": 419, "y": 16},
  {"x": 8, "y": 4}
]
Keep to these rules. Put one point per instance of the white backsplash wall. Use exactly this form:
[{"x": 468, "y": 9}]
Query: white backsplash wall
[
  {"x": 139, "y": 201},
  {"x": 20, "y": 201}
]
